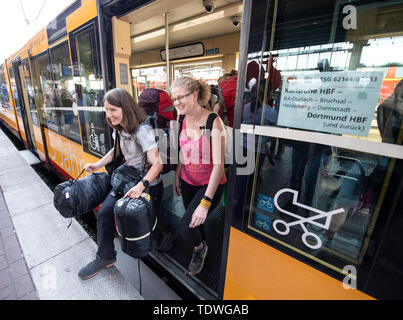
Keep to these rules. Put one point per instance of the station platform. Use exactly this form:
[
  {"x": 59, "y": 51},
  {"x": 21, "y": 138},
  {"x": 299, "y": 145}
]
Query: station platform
[{"x": 40, "y": 257}]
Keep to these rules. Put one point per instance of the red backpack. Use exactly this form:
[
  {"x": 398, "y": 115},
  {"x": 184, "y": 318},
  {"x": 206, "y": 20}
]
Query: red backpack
[{"x": 228, "y": 92}]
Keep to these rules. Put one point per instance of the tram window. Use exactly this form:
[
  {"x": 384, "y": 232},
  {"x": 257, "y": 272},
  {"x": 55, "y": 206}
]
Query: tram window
[
  {"x": 89, "y": 90},
  {"x": 64, "y": 93},
  {"x": 30, "y": 92},
  {"x": 152, "y": 77},
  {"x": 4, "y": 97},
  {"x": 346, "y": 79},
  {"x": 15, "y": 92},
  {"x": 36, "y": 82},
  {"x": 325, "y": 205},
  {"x": 47, "y": 103},
  {"x": 208, "y": 71}
]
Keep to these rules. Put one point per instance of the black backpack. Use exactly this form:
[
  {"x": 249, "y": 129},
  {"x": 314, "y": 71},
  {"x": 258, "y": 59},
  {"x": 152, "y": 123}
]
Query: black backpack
[
  {"x": 75, "y": 197},
  {"x": 124, "y": 178},
  {"x": 135, "y": 222}
]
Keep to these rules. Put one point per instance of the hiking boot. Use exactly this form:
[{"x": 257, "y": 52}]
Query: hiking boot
[
  {"x": 167, "y": 241},
  {"x": 95, "y": 266},
  {"x": 196, "y": 264}
]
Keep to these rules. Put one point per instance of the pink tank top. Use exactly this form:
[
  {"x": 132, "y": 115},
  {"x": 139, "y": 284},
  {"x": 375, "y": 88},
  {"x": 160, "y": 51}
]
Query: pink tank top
[{"x": 197, "y": 162}]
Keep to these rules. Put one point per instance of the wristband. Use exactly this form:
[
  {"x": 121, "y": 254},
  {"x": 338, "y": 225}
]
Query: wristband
[
  {"x": 205, "y": 203},
  {"x": 207, "y": 198}
]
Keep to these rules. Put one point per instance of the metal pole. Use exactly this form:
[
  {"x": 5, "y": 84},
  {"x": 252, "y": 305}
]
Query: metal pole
[{"x": 167, "y": 47}]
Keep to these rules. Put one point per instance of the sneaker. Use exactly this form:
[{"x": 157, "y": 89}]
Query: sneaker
[
  {"x": 95, "y": 266},
  {"x": 167, "y": 241},
  {"x": 196, "y": 264}
]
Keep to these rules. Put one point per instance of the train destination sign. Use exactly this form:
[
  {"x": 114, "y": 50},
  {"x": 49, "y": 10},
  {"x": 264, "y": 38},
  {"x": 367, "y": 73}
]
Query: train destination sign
[{"x": 333, "y": 102}]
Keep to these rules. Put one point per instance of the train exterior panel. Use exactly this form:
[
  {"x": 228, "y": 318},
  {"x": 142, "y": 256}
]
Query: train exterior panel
[
  {"x": 269, "y": 281},
  {"x": 67, "y": 156}
]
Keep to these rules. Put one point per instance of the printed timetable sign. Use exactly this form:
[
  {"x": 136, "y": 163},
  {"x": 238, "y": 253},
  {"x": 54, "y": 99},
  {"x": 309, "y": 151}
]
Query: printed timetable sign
[{"x": 333, "y": 102}]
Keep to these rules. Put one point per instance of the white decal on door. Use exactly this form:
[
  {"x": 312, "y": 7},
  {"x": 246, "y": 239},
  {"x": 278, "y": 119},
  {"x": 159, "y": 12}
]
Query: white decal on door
[{"x": 302, "y": 220}]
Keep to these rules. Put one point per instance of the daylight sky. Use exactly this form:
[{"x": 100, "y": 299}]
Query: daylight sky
[{"x": 14, "y": 30}]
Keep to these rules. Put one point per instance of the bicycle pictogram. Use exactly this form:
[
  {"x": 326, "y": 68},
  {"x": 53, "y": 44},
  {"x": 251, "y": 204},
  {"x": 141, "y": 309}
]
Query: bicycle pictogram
[{"x": 302, "y": 220}]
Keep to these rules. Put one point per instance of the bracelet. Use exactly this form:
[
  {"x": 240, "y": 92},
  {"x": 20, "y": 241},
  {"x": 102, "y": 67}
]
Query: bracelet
[
  {"x": 205, "y": 203},
  {"x": 207, "y": 198}
]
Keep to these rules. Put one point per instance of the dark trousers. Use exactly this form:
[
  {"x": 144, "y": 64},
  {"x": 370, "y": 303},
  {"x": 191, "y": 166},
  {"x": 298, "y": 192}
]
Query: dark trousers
[
  {"x": 191, "y": 196},
  {"x": 106, "y": 220}
]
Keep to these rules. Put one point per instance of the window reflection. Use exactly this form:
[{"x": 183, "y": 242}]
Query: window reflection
[
  {"x": 89, "y": 90},
  {"x": 63, "y": 91},
  {"x": 4, "y": 97},
  {"x": 30, "y": 92}
]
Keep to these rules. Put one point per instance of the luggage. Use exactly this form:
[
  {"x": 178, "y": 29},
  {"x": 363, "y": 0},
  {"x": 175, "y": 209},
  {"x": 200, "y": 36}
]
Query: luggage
[
  {"x": 157, "y": 101},
  {"x": 124, "y": 178},
  {"x": 135, "y": 221},
  {"x": 160, "y": 111},
  {"x": 76, "y": 197},
  {"x": 228, "y": 92}
]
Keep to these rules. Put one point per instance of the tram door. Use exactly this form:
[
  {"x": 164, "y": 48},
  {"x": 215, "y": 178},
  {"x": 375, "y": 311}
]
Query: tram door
[
  {"x": 322, "y": 202},
  {"x": 30, "y": 103},
  {"x": 21, "y": 99}
]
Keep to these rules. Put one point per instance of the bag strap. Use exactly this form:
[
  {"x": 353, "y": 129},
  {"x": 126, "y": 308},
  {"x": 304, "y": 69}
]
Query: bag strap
[
  {"x": 181, "y": 119},
  {"x": 209, "y": 124},
  {"x": 79, "y": 175},
  {"x": 117, "y": 141}
]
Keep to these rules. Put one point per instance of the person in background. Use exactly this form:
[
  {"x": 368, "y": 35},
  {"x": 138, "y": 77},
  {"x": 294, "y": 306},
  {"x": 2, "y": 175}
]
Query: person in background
[{"x": 200, "y": 174}]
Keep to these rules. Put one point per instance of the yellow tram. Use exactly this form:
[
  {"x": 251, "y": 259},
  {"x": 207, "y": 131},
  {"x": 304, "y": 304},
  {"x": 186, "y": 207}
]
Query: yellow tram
[{"x": 316, "y": 216}]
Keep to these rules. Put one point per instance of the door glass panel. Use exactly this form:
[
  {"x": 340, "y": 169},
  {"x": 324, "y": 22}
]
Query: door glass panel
[
  {"x": 47, "y": 103},
  {"x": 89, "y": 91},
  {"x": 64, "y": 94},
  {"x": 15, "y": 92},
  {"x": 30, "y": 92},
  {"x": 314, "y": 70},
  {"x": 36, "y": 82}
]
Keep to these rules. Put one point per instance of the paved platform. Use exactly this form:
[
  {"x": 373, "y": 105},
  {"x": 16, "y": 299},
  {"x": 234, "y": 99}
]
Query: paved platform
[{"x": 39, "y": 256}]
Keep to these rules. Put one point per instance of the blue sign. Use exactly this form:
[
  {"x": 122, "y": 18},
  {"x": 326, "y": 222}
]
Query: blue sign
[
  {"x": 263, "y": 222},
  {"x": 265, "y": 203}
]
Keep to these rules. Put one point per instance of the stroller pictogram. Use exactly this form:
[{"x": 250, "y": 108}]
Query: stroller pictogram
[{"x": 301, "y": 220}]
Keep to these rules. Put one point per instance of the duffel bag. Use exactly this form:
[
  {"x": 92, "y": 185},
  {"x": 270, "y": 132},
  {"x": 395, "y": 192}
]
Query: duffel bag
[
  {"x": 75, "y": 197},
  {"x": 135, "y": 222},
  {"x": 124, "y": 178}
]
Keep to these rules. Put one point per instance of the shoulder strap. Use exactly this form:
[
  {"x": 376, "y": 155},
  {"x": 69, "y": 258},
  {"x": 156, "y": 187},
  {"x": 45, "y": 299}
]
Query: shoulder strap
[
  {"x": 117, "y": 136},
  {"x": 181, "y": 118},
  {"x": 209, "y": 123},
  {"x": 210, "y": 119}
]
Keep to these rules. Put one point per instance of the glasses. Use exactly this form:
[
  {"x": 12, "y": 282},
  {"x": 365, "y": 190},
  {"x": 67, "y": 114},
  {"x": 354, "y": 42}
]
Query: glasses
[{"x": 180, "y": 98}]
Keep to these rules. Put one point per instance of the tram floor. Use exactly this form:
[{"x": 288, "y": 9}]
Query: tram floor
[{"x": 182, "y": 250}]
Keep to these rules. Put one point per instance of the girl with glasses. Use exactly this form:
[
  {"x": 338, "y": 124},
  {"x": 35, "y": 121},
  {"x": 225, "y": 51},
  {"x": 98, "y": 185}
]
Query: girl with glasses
[{"x": 200, "y": 174}]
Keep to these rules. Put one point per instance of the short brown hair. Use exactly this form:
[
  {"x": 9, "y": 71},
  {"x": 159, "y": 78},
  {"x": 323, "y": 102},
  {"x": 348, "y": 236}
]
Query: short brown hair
[{"x": 132, "y": 114}]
